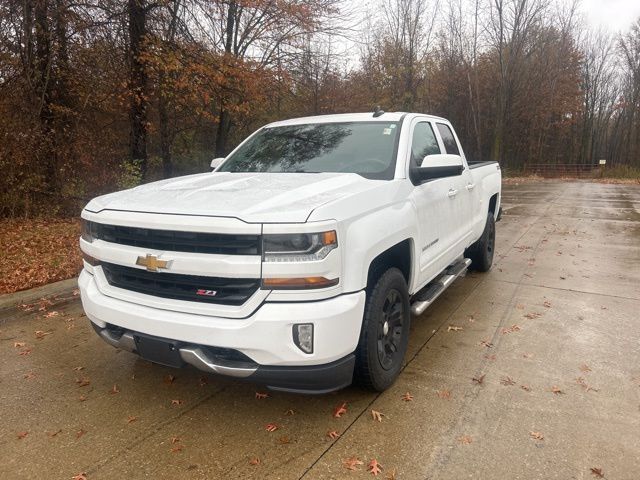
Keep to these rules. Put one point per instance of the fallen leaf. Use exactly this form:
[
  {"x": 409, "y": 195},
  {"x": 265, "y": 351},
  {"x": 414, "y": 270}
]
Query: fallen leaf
[
  {"x": 536, "y": 435},
  {"x": 486, "y": 343},
  {"x": 169, "y": 379},
  {"x": 80, "y": 433},
  {"x": 271, "y": 427},
  {"x": 340, "y": 410},
  {"x": 50, "y": 314},
  {"x": 203, "y": 381},
  {"x": 26, "y": 351},
  {"x": 21, "y": 435},
  {"x": 446, "y": 394},
  {"x": 527, "y": 355},
  {"x": 284, "y": 440},
  {"x": 333, "y": 434},
  {"x": 465, "y": 439},
  {"x": 506, "y": 380},
  {"x": 556, "y": 390},
  {"x": 520, "y": 306},
  {"x": 19, "y": 344},
  {"x": 83, "y": 382},
  {"x": 114, "y": 389},
  {"x": 597, "y": 472},
  {"x": 352, "y": 463},
  {"x": 453, "y": 328},
  {"x": 374, "y": 467},
  {"x": 254, "y": 461},
  {"x": 290, "y": 412},
  {"x": 77, "y": 369},
  {"x": 511, "y": 329},
  {"x": 547, "y": 303},
  {"x": 261, "y": 395},
  {"x": 377, "y": 415},
  {"x": 585, "y": 368},
  {"x": 491, "y": 357},
  {"x": 407, "y": 397},
  {"x": 29, "y": 375},
  {"x": 53, "y": 434},
  {"x": 75, "y": 292},
  {"x": 82, "y": 398},
  {"x": 177, "y": 401},
  {"x": 80, "y": 476},
  {"x": 471, "y": 319},
  {"x": 41, "y": 334},
  {"x": 479, "y": 379},
  {"x": 581, "y": 381},
  {"x": 533, "y": 315},
  {"x": 131, "y": 419},
  {"x": 526, "y": 388},
  {"x": 177, "y": 448},
  {"x": 391, "y": 475}
]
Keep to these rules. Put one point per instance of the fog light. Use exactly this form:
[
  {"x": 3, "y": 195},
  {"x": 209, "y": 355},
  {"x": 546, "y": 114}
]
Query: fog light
[{"x": 303, "y": 336}]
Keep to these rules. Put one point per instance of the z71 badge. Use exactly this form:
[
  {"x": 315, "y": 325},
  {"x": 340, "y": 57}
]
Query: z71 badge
[{"x": 206, "y": 293}]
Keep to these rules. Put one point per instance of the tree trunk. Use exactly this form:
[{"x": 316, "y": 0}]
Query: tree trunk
[
  {"x": 138, "y": 84},
  {"x": 222, "y": 135},
  {"x": 165, "y": 135}
]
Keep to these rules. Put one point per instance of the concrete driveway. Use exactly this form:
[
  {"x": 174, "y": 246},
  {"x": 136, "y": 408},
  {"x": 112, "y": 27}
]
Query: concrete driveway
[{"x": 529, "y": 371}]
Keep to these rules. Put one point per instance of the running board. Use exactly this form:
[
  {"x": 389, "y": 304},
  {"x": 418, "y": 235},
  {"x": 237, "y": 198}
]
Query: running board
[{"x": 429, "y": 293}]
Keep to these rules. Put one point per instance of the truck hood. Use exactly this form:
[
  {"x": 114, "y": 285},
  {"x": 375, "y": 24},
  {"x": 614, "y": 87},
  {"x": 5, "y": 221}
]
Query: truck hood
[{"x": 251, "y": 197}]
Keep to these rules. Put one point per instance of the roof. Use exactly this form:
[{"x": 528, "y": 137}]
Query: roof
[{"x": 349, "y": 117}]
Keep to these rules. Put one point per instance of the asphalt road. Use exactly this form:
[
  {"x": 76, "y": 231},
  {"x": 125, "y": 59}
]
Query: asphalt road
[{"x": 529, "y": 371}]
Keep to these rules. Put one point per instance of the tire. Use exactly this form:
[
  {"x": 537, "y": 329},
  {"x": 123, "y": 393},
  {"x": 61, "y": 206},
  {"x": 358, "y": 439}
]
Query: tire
[
  {"x": 481, "y": 252},
  {"x": 382, "y": 345}
]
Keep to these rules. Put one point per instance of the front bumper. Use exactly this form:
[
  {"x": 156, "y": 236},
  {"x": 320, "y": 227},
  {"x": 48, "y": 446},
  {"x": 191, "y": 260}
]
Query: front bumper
[
  {"x": 265, "y": 337},
  {"x": 312, "y": 379}
]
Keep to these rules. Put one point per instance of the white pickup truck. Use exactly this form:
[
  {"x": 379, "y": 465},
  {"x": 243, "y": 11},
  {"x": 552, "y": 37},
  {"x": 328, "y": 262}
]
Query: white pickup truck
[{"x": 298, "y": 261}]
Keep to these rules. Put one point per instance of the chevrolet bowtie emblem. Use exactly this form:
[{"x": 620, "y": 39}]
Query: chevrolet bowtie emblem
[{"x": 152, "y": 262}]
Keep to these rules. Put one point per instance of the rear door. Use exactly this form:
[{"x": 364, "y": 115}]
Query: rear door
[{"x": 462, "y": 192}]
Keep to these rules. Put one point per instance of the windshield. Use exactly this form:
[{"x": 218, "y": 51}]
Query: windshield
[{"x": 365, "y": 148}]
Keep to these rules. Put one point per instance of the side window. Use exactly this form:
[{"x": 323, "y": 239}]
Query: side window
[
  {"x": 423, "y": 143},
  {"x": 448, "y": 139}
]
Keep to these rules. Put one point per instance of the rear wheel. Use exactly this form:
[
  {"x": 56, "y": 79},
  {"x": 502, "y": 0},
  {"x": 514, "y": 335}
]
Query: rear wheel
[
  {"x": 385, "y": 332},
  {"x": 481, "y": 252}
]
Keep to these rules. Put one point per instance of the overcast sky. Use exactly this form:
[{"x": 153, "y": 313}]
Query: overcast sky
[{"x": 613, "y": 15}]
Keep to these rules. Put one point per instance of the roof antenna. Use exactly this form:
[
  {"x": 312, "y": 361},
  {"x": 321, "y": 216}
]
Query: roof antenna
[{"x": 377, "y": 111}]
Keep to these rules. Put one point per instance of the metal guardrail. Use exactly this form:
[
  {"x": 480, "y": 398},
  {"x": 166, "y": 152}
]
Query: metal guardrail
[{"x": 579, "y": 170}]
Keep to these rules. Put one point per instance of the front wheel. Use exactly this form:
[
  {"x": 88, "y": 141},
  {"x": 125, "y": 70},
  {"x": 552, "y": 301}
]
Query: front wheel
[
  {"x": 385, "y": 332},
  {"x": 481, "y": 252}
]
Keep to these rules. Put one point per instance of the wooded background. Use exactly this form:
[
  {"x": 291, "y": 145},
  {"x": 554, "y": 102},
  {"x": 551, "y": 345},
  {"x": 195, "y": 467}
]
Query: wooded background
[{"x": 98, "y": 95}]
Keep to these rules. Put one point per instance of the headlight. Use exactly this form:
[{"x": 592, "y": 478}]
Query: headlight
[
  {"x": 298, "y": 247},
  {"x": 88, "y": 230}
]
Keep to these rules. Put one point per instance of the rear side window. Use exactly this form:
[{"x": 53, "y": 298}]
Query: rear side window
[
  {"x": 448, "y": 139},
  {"x": 423, "y": 143}
]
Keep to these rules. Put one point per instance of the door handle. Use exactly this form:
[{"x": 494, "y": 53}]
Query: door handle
[
  {"x": 452, "y": 193},
  {"x": 471, "y": 186}
]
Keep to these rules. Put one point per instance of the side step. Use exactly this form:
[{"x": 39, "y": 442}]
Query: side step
[{"x": 431, "y": 291}]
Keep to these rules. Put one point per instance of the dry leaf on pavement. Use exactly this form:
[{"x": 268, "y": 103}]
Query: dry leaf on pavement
[
  {"x": 597, "y": 472},
  {"x": 340, "y": 410},
  {"x": 407, "y": 397},
  {"x": 352, "y": 463},
  {"x": 271, "y": 427},
  {"x": 333, "y": 434},
  {"x": 377, "y": 415},
  {"x": 374, "y": 467},
  {"x": 536, "y": 435}
]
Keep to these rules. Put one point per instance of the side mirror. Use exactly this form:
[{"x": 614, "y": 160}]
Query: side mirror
[
  {"x": 216, "y": 162},
  {"x": 439, "y": 166}
]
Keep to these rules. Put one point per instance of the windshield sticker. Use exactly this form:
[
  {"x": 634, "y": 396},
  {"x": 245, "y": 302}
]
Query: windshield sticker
[{"x": 386, "y": 131}]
